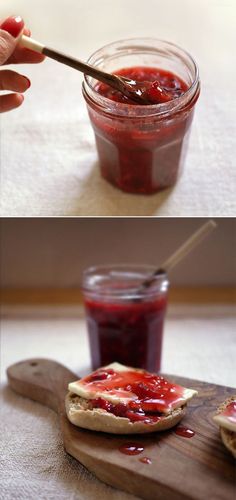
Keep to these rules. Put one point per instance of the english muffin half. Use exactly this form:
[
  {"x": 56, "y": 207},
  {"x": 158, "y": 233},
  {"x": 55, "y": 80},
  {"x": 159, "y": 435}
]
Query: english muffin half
[
  {"x": 122, "y": 400},
  {"x": 226, "y": 419}
]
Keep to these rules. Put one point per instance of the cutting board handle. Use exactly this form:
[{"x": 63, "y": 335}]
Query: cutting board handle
[{"x": 42, "y": 380}]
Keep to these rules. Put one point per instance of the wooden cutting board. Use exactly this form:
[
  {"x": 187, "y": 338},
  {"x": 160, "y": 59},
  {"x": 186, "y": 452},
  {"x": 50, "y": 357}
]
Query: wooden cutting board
[{"x": 198, "y": 468}]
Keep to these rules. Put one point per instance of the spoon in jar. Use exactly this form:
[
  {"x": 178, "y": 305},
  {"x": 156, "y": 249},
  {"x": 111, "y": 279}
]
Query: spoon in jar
[
  {"x": 137, "y": 92},
  {"x": 180, "y": 253}
]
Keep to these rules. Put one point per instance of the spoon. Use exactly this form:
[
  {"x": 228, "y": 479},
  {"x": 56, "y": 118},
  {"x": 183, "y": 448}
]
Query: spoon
[
  {"x": 137, "y": 92},
  {"x": 180, "y": 253}
]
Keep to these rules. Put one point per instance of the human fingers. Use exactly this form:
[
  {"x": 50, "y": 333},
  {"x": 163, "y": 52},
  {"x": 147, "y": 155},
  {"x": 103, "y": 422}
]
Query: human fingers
[
  {"x": 26, "y": 32},
  {"x": 10, "y": 32},
  {"x": 25, "y": 56},
  {"x": 10, "y": 80},
  {"x": 10, "y": 101}
]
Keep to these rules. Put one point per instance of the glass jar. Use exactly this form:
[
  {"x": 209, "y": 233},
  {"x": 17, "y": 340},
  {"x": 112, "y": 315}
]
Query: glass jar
[
  {"x": 125, "y": 320},
  {"x": 142, "y": 148}
]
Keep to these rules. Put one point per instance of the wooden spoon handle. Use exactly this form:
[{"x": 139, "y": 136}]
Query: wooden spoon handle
[
  {"x": 81, "y": 66},
  {"x": 42, "y": 380}
]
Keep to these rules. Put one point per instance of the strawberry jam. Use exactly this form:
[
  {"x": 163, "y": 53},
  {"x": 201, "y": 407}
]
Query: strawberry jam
[
  {"x": 142, "y": 148},
  {"x": 135, "y": 388},
  {"x": 130, "y": 333},
  {"x": 184, "y": 432},
  {"x": 124, "y": 325},
  {"x": 145, "y": 460},
  {"x": 230, "y": 412},
  {"x": 131, "y": 449},
  {"x": 123, "y": 410},
  {"x": 160, "y": 86}
]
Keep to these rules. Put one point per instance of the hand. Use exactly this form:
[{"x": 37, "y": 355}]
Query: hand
[{"x": 11, "y": 53}]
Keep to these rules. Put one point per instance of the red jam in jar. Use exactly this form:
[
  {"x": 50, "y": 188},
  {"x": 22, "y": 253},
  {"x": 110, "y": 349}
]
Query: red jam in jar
[
  {"x": 164, "y": 85},
  {"x": 141, "y": 148},
  {"x": 125, "y": 323}
]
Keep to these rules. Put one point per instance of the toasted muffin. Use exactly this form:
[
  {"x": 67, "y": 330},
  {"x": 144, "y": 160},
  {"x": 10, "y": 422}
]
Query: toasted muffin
[
  {"x": 80, "y": 413},
  {"x": 225, "y": 417},
  {"x": 110, "y": 404}
]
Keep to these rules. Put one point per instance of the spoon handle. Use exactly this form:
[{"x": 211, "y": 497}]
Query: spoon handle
[
  {"x": 181, "y": 252},
  {"x": 189, "y": 245},
  {"x": 85, "y": 68}
]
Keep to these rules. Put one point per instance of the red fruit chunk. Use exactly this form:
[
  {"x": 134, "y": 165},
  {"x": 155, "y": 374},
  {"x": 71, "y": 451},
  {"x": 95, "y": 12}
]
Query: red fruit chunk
[
  {"x": 230, "y": 411},
  {"x": 136, "y": 405},
  {"x": 153, "y": 405},
  {"x": 120, "y": 410},
  {"x": 101, "y": 375},
  {"x": 160, "y": 86},
  {"x": 136, "y": 416},
  {"x": 157, "y": 94},
  {"x": 102, "y": 403},
  {"x": 144, "y": 391}
]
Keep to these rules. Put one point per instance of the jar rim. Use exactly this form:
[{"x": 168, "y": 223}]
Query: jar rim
[
  {"x": 120, "y": 108},
  {"x": 90, "y": 285}
]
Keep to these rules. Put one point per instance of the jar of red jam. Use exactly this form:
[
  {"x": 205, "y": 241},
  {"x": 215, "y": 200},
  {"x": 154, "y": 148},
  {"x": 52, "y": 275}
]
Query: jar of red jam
[
  {"x": 124, "y": 319},
  {"x": 142, "y": 148}
]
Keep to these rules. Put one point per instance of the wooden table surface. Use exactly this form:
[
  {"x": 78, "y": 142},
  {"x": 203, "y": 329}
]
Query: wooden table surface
[
  {"x": 199, "y": 342},
  {"x": 49, "y": 161}
]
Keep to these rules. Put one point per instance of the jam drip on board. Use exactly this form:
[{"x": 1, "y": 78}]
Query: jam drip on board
[
  {"x": 184, "y": 432},
  {"x": 160, "y": 86},
  {"x": 145, "y": 460},
  {"x": 131, "y": 449}
]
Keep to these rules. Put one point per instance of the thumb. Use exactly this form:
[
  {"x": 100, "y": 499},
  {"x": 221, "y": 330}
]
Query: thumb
[{"x": 10, "y": 31}]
